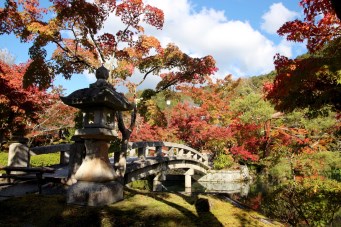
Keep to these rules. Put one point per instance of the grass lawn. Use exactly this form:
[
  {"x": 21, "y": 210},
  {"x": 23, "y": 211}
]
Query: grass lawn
[
  {"x": 3, "y": 158},
  {"x": 137, "y": 209},
  {"x": 36, "y": 160}
]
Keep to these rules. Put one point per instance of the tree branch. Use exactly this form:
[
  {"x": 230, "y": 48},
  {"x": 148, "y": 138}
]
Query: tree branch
[{"x": 97, "y": 48}]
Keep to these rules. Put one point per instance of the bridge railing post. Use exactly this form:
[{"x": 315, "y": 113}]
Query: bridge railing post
[
  {"x": 142, "y": 152},
  {"x": 170, "y": 151},
  {"x": 64, "y": 157},
  {"x": 158, "y": 151},
  {"x": 188, "y": 180}
]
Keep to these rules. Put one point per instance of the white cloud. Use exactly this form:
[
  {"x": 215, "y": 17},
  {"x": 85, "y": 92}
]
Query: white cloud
[
  {"x": 277, "y": 15},
  {"x": 238, "y": 48},
  {"x": 90, "y": 77}
]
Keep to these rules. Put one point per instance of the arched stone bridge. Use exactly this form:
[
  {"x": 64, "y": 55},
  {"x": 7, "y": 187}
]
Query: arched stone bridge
[
  {"x": 153, "y": 158},
  {"x": 144, "y": 159}
]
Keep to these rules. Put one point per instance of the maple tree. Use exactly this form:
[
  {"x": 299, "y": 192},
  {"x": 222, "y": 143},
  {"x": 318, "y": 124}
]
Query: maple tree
[
  {"x": 202, "y": 118},
  {"x": 312, "y": 80},
  {"x": 20, "y": 106},
  {"x": 81, "y": 45}
]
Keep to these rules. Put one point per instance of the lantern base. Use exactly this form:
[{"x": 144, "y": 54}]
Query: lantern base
[{"x": 94, "y": 193}]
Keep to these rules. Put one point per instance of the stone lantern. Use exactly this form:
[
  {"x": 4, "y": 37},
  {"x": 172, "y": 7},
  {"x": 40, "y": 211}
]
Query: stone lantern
[{"x": 96, "y": 179}]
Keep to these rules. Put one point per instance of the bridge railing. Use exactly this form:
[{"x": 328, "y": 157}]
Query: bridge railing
[
  {"x": 64, "y": 150},
  {"x": 160, "y": 149},
  {"x": 20, "y": 155}
]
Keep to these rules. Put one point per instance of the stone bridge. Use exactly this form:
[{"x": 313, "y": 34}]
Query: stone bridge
[
  {"x": 144, "y": 159},
  {"x": 157, "y": 158}
]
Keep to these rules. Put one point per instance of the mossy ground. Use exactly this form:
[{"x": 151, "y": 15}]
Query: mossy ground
[{"x": 137, "y": 209}]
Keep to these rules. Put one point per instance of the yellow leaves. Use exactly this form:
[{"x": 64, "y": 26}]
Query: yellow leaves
[
  {"x": 36, "y": 27},
  {"x": 338, "y": 76},
  {"x": 124, "y": 69},
  {"x": 150, "y": 42},
  {"x": 292, "y": 67},
  {"x": 153, "y": 111},
  {"x": 43, "y": 29},
  {"x": 144, "y": 47},
  {"x": 140, "y": 29}
]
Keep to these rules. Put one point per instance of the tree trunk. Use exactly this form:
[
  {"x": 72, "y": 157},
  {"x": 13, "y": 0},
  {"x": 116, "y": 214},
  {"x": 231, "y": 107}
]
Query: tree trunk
[
  {"x": 120, "y": 157},
  {"x": 337, "y": 7}
]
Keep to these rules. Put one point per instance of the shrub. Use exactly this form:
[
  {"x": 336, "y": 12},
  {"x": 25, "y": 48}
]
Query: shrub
[
  {"x": 311, "y": 201},
  {"x": 223, "y": 161},
  {"x": 281, "y": 171}
]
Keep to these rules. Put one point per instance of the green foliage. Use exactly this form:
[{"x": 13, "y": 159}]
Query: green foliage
[
  {"x": 257, "y": 82},
  {"x": 145, "y": 185},
  {"x": 317, "y": 122},
  {"x": 320, "y": 163},
  {"x": 252, "y": 108},
  {"x": 115, "y": 146},
  {"x": 312, "y": 202},
  {"x": 281, "y": 171},
  {"x": 324, "y": 163},
  {"x": 222, "y": 161}
]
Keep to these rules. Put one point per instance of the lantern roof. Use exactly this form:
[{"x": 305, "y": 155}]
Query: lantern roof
[{"x": 99, "y": 94}]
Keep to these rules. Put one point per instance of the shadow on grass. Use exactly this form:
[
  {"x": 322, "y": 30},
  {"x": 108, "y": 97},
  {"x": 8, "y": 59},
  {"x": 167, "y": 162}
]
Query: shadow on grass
[
  {"x": 204, "y": 217},
  {"x": 52, "y": 210},
  {"x": 42, "y": 210}
]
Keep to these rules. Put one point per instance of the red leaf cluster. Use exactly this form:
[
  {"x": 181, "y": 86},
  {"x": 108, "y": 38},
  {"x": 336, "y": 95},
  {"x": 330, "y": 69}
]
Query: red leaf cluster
[{"x": 19, "y": 106}]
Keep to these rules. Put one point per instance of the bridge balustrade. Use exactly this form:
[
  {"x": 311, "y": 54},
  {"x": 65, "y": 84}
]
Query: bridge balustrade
[{"x": 159, "y": 149}]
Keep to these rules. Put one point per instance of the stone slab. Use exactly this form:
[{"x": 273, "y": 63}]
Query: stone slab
[{"x": 94, "y": 193}]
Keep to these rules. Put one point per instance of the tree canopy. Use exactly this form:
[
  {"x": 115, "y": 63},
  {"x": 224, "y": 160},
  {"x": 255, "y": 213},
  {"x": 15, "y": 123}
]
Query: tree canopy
[
  {"x": 312, "y": 80},
  {"x": 19, "y": 107},
  {"x": 81, "y": 45}
]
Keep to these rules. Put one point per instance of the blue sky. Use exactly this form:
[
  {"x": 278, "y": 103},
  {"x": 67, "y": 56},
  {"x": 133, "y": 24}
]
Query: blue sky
[{"x": 239, "y": 34}]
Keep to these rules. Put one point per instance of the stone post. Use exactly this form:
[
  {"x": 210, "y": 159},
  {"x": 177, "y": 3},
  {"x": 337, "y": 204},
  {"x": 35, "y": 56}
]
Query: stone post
[
  {"x": 188, "y": 180},
  {"x": 157, "y": 185},
  {"x": 18, "y": 154}
]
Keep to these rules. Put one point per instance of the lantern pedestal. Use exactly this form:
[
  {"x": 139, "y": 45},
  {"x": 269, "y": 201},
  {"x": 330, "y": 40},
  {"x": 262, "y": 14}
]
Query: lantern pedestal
[
  {"x": 96, "y": 179},
  {"x": 95, "y": 193}
]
